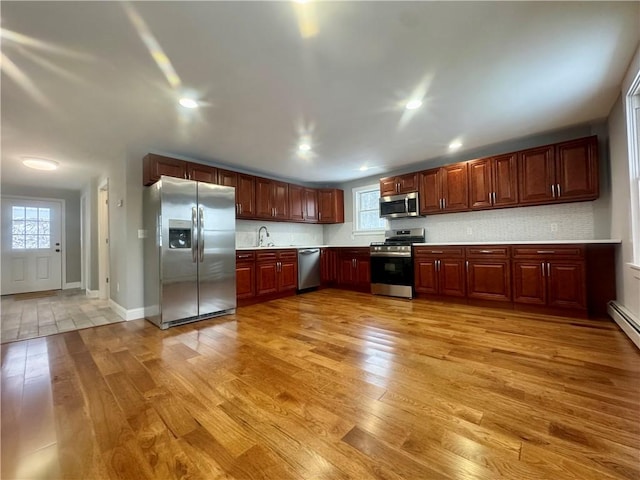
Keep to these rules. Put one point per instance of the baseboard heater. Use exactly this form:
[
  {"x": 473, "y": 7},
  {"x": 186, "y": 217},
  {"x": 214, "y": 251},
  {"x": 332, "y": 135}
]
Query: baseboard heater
[{"x": 626, "y": 321}]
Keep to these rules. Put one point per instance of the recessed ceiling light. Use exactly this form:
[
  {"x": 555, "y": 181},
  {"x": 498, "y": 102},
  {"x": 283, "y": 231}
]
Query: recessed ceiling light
[
  {"x": 364, "y": 168},
  {"x": 413, "y": 104},
  {"x": 40, "y": 163},
  {"x": 304, "y": 147},
  {"x": 188, "y": 103},
  {"x": 455, "y": 145}
]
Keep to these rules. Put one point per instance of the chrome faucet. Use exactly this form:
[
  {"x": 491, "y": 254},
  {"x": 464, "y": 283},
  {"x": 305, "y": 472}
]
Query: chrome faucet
[{"x": 261, "y": 238}]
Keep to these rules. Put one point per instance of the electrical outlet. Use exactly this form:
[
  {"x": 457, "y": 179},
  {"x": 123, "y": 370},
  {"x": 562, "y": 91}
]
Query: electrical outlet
[
  {"x": 469, "y": 231},
  {"x": 554, "y": 227}
]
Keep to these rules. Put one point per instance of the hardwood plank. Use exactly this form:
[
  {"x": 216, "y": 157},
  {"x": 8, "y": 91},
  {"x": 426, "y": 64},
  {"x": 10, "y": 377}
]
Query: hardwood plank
[{"x": 330, "y": 384}]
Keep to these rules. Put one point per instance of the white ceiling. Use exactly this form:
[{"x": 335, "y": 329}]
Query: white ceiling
[{"x": 79, "y": 85}]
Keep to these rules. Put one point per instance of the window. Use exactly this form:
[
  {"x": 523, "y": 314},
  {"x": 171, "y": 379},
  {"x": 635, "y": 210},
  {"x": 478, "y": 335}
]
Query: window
[
  {"x": 633, "y": 135},
  {"x": 366, "y": 210},
  {"x": 30, "y": 228}
]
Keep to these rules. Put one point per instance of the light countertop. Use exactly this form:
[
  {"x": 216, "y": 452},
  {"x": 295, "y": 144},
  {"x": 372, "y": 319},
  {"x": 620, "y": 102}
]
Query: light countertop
[{"x": 442, "y": 244}]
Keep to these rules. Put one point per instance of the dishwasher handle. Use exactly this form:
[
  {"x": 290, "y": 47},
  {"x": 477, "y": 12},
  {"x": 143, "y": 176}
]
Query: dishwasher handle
[{"x": 308, "y": 251}]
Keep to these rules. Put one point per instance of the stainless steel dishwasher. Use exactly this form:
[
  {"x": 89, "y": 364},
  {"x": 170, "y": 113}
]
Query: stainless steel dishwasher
[{"x": 308, "y": 268}]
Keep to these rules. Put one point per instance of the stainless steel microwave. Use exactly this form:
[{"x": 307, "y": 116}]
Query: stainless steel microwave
[{"x": 397, "y": 206}]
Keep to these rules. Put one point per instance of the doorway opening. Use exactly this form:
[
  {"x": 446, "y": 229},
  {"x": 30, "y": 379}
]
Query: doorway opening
[{"x": 103, "y": 241}]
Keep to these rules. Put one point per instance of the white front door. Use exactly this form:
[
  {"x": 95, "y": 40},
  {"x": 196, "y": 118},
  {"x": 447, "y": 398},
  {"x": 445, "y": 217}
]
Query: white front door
[{"x": 31, "y": 245}]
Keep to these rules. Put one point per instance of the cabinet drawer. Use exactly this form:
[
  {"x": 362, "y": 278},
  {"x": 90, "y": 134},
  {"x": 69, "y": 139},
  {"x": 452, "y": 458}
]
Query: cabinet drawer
[
  {"x": 270, "y": 256},
  {"x": 452, "y": 252},
  {"x": 287, "y": 254},
  {"x": 245, "y": 256},
  {"x": 496, "y": 251},
  {"x": 565, "y": 251}
]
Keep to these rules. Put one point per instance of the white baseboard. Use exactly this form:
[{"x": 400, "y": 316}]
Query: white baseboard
[
  {"x": 625, "y": 320},
  {"x": 68, "y": 286},
  {"x": 92, "y": 293},
  {"x": 125, "y": 314}
]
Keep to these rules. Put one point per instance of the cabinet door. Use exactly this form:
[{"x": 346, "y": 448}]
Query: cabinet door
[
  {"x": 451, "y": 277},
  {"x": 455, "y": 186},
  {"x": 408, "y": 183},
  {"x": 346, "y": 270},
  {"x": 480, "y": 184},
  {"x": 388, "y": 186},
  {"x": 536, "y": 175},
  {"x": 266, "y": 278},
  {"x": 566, "y": 284},
  {"x": 327, "y": 265},
  {"x": 228, "y": 178},
  {"x": 529, "y": 282},
  {"x": 153, "y": 166},
  {"x": 489, "y": 280},
  {"x": 505, "y": 180},
  {"x": 429, "y": 191},
  {"x": 296, "y": 203},
  {"x": 280, "y": 200},
  {"x": 309, "y": 204},
  {"x": 288, "y": 275},
  {"x": 264, "y": 208},
  {"x": 202, "y": 173},
  {"x": 577, "y": 170},
  {"x": 245, "y": 280},
  {"x": 425, "y": 275},
  {"x": 330, "y": 205},
  {"x": 245, "y": 196},
  {"x": 363, "y": 272}
]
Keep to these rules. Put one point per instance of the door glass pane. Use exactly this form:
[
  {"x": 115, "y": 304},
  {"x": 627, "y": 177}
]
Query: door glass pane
[{"x": 30, "y": 227}]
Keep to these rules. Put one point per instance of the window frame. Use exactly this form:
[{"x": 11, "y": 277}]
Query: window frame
[
  {"x": 356, "y": 192},
  {"x": 632, "y": 113}
]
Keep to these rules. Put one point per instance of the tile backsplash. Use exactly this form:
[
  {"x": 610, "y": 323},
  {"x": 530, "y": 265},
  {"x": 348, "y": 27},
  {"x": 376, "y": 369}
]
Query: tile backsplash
[
  {"x": 568, "y": 221},
  {"x": 280, "y": 233}
]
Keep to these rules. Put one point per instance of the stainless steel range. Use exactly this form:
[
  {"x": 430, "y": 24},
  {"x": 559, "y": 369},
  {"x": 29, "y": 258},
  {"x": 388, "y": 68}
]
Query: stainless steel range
[{"x": 392, "y": 263}]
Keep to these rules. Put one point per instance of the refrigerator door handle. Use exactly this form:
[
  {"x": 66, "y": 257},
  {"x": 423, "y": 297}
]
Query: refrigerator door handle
[
  {"x": 194, "y": 235},
  {"x": 201, "y": 234}
]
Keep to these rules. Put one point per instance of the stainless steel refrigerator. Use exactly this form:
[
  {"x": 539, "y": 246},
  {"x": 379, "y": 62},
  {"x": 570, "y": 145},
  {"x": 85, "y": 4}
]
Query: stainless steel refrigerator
[{"x": 189, "y": 254}]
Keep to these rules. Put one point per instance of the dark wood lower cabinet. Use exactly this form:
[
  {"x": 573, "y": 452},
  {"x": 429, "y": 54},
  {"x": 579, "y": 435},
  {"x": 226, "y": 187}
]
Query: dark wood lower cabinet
[
  {"x": 488, "y": 270},
  {"x": 354, "y": 268},
  {"x": 571, "y": 279},
  {"x": 245, "y": 275},
  {"x": 263, "y": 275}
]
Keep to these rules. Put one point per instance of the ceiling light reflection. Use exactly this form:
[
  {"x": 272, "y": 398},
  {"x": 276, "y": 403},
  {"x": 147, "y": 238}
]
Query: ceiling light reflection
[
  {"x": 413, "y": 104},
  {"x": 158, "y": 55},
  {"x": 40, "y": 163},
  {"x": 188, "y": 102},
  {"x": 306, "y": 17},
  {"x": 456, "y": 144}
]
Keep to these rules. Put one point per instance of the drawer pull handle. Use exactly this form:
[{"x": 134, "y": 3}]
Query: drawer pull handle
[
  {"x": 486, "y": 251},
  {"x": 546, "y": 251},
  {"x": 436, "y": 251},
  {"x": 244, "y": 256}
]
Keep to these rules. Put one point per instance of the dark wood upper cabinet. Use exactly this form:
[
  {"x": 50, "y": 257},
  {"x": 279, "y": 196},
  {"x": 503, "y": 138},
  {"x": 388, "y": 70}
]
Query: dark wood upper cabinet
[
  {"x": 154, "y": 166},
  {"x": 536, "y": 177},
  {"x": 202, "y": 173},
  {"x": 272, "y": 199},
  {"x": 399, "y": 184},
  {"x": 563, "y": 172},
  {"x": 444, "y": 189},
  {"x": 330, "y": 205},
  {"x": 296, "y": 203},
  {"x": 245, "y": 191},
  {"x": 577, "y": 170},
  {"x": 310, "y": 204},
  {"x": 493, "y": 182}
]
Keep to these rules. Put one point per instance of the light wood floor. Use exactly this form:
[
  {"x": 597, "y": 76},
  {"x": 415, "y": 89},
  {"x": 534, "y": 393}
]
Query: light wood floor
[{"x": 327, "y": 385}]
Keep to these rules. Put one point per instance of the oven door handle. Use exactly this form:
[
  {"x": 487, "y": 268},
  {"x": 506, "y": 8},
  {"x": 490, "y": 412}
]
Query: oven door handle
[{"x": 390, "y": 254}]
